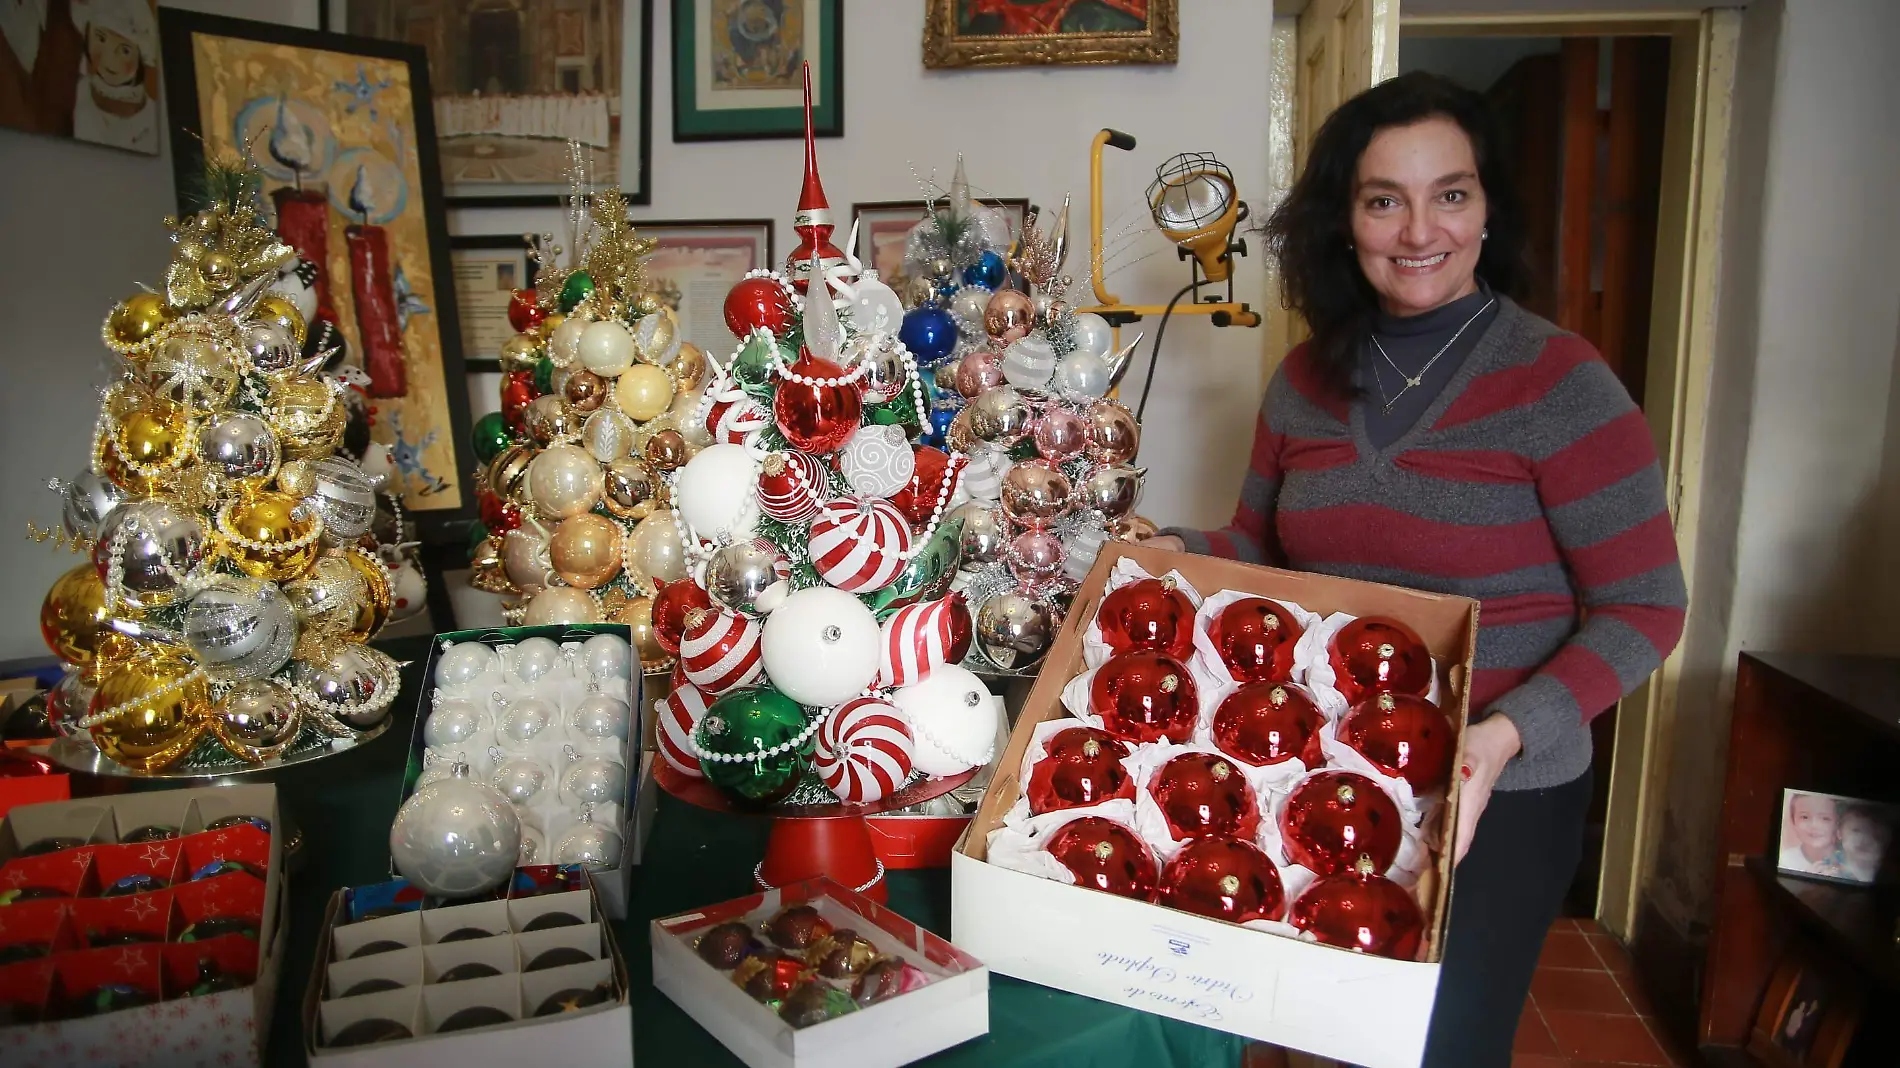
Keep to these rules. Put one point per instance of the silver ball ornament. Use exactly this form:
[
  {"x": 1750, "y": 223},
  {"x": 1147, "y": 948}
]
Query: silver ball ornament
[
  {"x": 257, "y": 720},
  {"x": 240, "y": 628},
  {"x": 158, "y": 545},
  {"x": 742, "y": 573},
  {"x": 352, "y": 683},
  {"x": 240, "y": 445},
  {"x": 456, "y": 837},
  {"x": 270, "y": 348},
  {"x": 1111, "y": 489},
  {"x": 1001, "y": 416},
  {"x": 344, "y": 496},
  {"x": 1016, "y": 631},
  {"x": 86, "y": 501},
  {"x": 1083, "y": 374},
  {"x": 985, "y": 533}
]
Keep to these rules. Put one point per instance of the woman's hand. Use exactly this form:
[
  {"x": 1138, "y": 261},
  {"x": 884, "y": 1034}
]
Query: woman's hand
[
  {"x": 1489, "y": 744},
  {"x": 1166, "y": 541}
]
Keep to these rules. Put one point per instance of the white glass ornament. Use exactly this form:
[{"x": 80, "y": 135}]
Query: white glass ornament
[
  {"x": 877, "y": 460},
  {"x": 875, "y": 306},
  {"x": 1028, "y": 362},
  {"x": 1092, "y": 334},
  {"x": 606, "y": 348},
  {"x": 658, "y": 339},
  {"x": 463, "y": 663},
  {"x": 455, "y": 722},
  {"x": 587, "y": 843},
  {"x": 592, "y": 779},
  {"x": 564, "y": 344},
  {"x": 522, "y": 721},
  {"x": 1082, "y": 373},
  {"x": 953, "y": 720},
  {"x": 967, "y": 305},
  {"x": 1079, "y": 550},
  {"x": 992, "y": 227},
  {"x": 521, "y": 779},
  {"x": 820, "y": 646},
  {"x": 240, "y": 628},
  {"x": 534, "y": 847},
  {"x": 598, "y": 719},
  {"x": 607, "y": 656},
  {"x": 608, "y": 435},
  {"x": 717, "y": 492},
  {"x": 455, "y": 837},
  {"x": 535, "y": 657}
]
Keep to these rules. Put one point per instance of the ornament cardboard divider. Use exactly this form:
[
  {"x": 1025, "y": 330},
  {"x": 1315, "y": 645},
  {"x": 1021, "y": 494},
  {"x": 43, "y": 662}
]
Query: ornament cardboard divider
[
  {"x": 1265, "y": 986},
  {"x": 221, "y": 1028},
  {"x": 642, "y": 799}
]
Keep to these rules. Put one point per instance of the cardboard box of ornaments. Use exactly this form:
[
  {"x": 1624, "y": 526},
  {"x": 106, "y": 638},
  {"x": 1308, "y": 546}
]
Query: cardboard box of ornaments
[
  {"x": 153, "y": 951},
  {"x": 632, "y": 816},
  {"x": 1295, "y": 993}
]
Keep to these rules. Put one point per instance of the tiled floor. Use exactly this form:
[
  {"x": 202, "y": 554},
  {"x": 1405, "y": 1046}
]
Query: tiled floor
[{"x": 1585, "y": 1010}]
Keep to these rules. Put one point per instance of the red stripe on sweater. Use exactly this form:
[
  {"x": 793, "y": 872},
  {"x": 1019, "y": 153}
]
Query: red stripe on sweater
[
  {"x": 1467, "y": 465},
  {"x": 1375, "y": 536},
  {"x": 1603, "y": 457},
  {"x": 1299, "y": 375},
  {"x": 1267, "y": 447},
  {"x": 1661, "y": 626},
  {"x": 1591, "y": 680},
  {"x": 1526, "y": 608},
  {"x": 1489, "y": 684},
  {"x": 1313, "y": 454},
  {"x": 1640, "y": 549},
  {"x": 1221, "y": 545},
  {"x": 1518, "y": 386}
]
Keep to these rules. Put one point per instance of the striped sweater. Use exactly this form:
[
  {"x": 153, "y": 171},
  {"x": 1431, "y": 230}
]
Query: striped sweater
[{"x": 1530, "y": 484}]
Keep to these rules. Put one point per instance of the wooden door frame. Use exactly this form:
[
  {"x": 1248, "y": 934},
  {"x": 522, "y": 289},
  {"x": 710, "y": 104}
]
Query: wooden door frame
[{"x": 1681, "y": 342}]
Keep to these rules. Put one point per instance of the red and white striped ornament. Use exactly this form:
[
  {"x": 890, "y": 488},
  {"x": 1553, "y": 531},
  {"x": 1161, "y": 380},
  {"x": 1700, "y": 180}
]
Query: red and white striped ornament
[
  {"x": 864, "y": 750},
  {"x": 734, "y": 416},
  {"x": 720, "y": 651},
  {"x": 920, "y": 638},
  {"x": 858, "y": 543},
  {"x": 792, "y": 486},
  {"x": 680, "y": 712}
]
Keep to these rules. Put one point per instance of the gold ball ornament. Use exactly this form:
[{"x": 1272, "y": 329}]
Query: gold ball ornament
[
  {"x": 524, "y": 558},
  {"x": 545, "y": 329},
  {"x": 279, "y": 310},
  {"x": 666, "y": 450},
  {"x": 584, "y": 391},
  {"x": 486, "y": 570},
  {"x": 564, "y": 481},
  {"x": 269, "y": 535},
  {"x": 151, "y": 444},
  {"x": 74, "y": 615},
  {"x": 379, "y": 595},
  {"x": 585, "y": 550},
  {"x": 508, "y": 472},
  {"x": 218, "y": 270},
  {"x": 643, "y": 391},
  {"x": 561, "y": 604},
  {"x": 633, "y": 490},
  {"x": 547, "y": 418},
  {"x": 157, "y": 705},
  {"x": 327, "y": 597},
  {"x": 637, "y": 614},
  {"x": 654, "y": 550},
  {"x": 608, "y": 435},
  {"x": 690, "y": 367},
  {"x": 297, "y": 478},
  {"x": 136, "y": 318},
  {"x": 520, "y": 352},
  {"x": 309, "y": 418},
  {"x": 256, "y": 720}
]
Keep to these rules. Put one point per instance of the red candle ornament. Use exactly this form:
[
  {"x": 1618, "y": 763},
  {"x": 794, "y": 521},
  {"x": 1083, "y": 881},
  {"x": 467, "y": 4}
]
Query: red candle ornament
[
  {"x": 757, "y": 304},
  {"x": 1083, "y": 766},
  {"x": 1144, "y": 696},
  {"x": 1104, "y": 855},
  {"x": 1225, "y": 878},
  {"x": 1150, "y": 613},
  {"x": 1363, "y": 911},
  {"x": 816, "y": 418},
  {"x": 1376, "y": 654},
  {"x": 1255, "y": 638},
  {"x": 672, "y": 603},
  {"x": 1265, "y": 723},
  {"x": 1201, "y": 794},
  {"x": 1403, "y": 735},
  {"x": 1334, "y": 818}
]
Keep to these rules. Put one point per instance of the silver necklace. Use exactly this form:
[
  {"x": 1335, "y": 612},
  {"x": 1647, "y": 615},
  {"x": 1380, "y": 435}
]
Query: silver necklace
[{"x": 1413, "y": 380}]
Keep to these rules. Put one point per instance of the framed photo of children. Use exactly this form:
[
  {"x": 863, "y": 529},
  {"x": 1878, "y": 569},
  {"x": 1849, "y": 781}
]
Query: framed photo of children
[
  {"x": 737, "y": 68},
  {"x": 1807, "y": 1017},
  {"x": 341, "y": 131},
  {"x": 84, "y": 69},
  {"x": 1839, "y": 839},
  {"x": 696, "y": 264}
]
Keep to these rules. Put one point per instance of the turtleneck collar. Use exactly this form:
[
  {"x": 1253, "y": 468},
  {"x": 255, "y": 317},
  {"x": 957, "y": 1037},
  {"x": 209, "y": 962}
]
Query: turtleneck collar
[{"x": 1440, "y": 320}]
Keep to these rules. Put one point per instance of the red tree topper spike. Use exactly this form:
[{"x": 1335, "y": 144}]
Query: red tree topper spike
[
  {"x": 813, "y": 221},
  {"x": 672, "y": 603},
  {"x": 1225, "y": 878},
  {"x": 1082, "y": 766},
  {"x": 1334, "y": 818},
  {"x": 1144, "y": 696},
  {"x": 1404, "y": 735},
  {"x": 1201, "y": 794},
  {"x": 1362, "y": 911},
  {"x": 1265, "y": 723},
  {"x": 1150, "y": 613},
  {"x": 1104, "y": 855},
  {"x": 816, "y": 418},
  {"x": 1255, "y": 638},
  {"x": 1376, "y": 654}
]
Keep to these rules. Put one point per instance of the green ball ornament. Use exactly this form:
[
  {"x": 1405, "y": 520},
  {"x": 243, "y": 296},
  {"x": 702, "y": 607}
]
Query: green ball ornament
[
  {"x": 928, "y": 575},
  {"x": 900, "y": 410},
  {"x": 489, "y": 436},
  {"x": 748, "y": 722},
  {"x": 579, "y": 286},
  {"x": 752, "y": 368},
  {"x": 543, "y": 376}
]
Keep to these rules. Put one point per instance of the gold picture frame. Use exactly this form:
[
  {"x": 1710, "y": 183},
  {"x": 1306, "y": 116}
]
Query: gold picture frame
[{"x": 1009, "y": 33}]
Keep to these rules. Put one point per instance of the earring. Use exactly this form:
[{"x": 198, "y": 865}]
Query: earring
[{"x": 1484, "y": 234}]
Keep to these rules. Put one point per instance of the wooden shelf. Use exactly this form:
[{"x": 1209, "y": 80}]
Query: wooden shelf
[
  {"x": 1727, "y": 1057},
  {"x": 1857, "y": 922},
  {"x": 1868, "y": 686}
]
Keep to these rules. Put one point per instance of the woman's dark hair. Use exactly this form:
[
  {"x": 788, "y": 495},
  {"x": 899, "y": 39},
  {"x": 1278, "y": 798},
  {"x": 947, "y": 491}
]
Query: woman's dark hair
[{"x": 1311, "y": 231}]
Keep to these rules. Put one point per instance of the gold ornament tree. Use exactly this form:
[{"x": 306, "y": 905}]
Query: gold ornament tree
[{"x": 232, "y": 576}]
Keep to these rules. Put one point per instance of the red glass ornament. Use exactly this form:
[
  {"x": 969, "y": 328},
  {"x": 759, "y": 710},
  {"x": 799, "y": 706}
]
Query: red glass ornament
[
  {"x": 1083, "y": 766},
  {"x": 817, "y": 419},
  {"x": 673, "y": 602},
  {"x": 1202, "y": 794},
  {"x": 517, "y": 389},
  {"x": 1334, "y": 818},
  {"x": 1104, "y": 855},
  {"x": 755, "y": 303},
  {"x": 20, "y": 764},
  {"x": 1404, "y": 735},
  {"x": 1265, "y": 723},
  {"x": 523, "y": 313},
  {"x": 1255, "y": 638},
  {"x": 918, "y": 498},
  {"x": 1144, "y": 696},
  {"x": 1375, "y": 654},
  {"x": 1361, "y": 911},
  {"x": 497, "y": 515},
  {"x": 1225, "y": 878},
  {"x": 1150, "y": 613}
]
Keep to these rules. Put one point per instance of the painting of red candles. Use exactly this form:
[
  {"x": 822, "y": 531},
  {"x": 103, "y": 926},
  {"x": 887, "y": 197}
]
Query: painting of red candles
[{"x": 351, "y": 180}]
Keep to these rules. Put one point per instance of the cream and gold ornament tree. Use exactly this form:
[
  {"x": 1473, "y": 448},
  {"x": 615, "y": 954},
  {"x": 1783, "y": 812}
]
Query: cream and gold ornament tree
[{"x": 232, "y": 579}]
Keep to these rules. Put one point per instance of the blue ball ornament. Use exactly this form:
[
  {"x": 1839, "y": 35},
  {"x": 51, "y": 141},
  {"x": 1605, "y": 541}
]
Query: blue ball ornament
[
  {"x": 939, "y": 426},
  {"x": 988, "y": 271},
  {"x": 929, "y": 333}
]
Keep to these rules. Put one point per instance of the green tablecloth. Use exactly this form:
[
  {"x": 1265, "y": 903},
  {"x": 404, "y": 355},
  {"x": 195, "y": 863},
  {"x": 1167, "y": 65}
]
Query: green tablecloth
[{"x": 344, "y": 807}]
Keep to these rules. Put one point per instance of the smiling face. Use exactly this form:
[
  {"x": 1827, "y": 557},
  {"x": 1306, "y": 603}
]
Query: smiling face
[
  {"x": 1863, "y": 839},
  {"x": 1814, "y": 824},
  {"x": 114, "y": 59},
  {"x": 1418, "y": 215}
]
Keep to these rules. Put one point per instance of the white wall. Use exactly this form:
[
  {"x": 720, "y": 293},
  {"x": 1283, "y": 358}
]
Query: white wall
[{"x": 90, "y": 218}]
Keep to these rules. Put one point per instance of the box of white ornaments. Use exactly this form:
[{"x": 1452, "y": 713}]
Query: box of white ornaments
[
  {"x": 551, "y": 717},
  {"x": 1226, "y": 800}
]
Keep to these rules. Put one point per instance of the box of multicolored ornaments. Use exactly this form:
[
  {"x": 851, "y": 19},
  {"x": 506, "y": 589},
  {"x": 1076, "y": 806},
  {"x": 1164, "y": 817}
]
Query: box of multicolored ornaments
[
  {"x": 1227, "y": 800},
  {"x": 528, "y": 974},
  {"x": 812, "y": 974},
  {"x": 551, "y": 717},
  {"x": 143, "y": 929}
]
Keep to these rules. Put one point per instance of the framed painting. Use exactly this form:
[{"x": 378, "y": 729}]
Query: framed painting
[
  {"x": 487, "y": 269},
  {"x": 737, "y": 63},
  {"x": 884, "y": 224},
  {"x": 340, "y": 129},
  {"x": 1808, "y": 1015},
  {"x": 84, "y": 69},
  {"x": 697, "y": 263},
  {"x": 1028, "y": 33},
  {"x": 516, "y": 82}
]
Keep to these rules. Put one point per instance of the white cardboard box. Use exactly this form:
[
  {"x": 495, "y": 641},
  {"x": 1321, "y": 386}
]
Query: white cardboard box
[
  {"x": 954, "y": 1007},
  {"x": 1297, "y": 994}
]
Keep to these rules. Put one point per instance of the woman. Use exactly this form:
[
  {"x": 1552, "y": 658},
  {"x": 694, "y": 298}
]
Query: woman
[{"x": 1434, "y": 434}]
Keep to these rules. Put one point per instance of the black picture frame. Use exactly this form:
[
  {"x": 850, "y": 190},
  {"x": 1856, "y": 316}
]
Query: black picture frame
[
  {"x": 176, "y": 29},
  {"x": 690, "y": 123}
]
